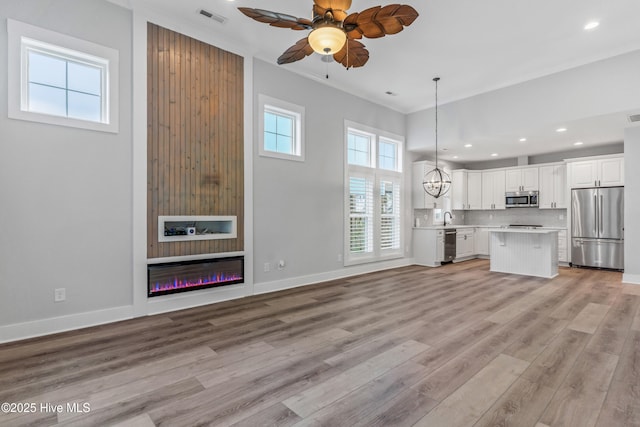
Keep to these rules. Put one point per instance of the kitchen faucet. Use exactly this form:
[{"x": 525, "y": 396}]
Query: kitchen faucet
[{"x": 445, "y": 217}]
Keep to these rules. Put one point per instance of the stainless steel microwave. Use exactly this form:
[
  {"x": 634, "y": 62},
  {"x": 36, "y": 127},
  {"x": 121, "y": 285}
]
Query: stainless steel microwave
[{"x": 521, "y": 199}]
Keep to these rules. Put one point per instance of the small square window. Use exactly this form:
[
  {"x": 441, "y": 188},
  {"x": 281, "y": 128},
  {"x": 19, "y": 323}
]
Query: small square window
[
  {"x": 61, "y": 80},
  {"x": 281, "y": 133}
]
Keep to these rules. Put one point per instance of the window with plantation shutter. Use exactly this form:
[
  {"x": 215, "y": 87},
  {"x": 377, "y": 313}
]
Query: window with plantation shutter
[
  {"x": 360, "y": 215},
  {"x": 389, "y": 215},
  {"x": 373, "y": 195}
]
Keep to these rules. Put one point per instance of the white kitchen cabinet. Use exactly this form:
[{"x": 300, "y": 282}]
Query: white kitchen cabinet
[
  {"x": 464, "y": 242},
  {"x": 466, "y": 189},
  {"x": 602, "y": 172},
  {"x": 553, "y": 187},
  {"x": 428, "y": 247},
  {"x": 474, "y": 190},
  {"x": 563, "y": 255},
  {"x": 521, "y": 179},
  {"x": 420, "y": 198},
  {"x": 481, "y": 241},
  {"x": 459, "y": 189},
  {"x": 493, "y": 189}
]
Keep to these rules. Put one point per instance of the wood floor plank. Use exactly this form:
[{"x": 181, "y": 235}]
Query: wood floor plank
[
  {"x": 631, "y": 289},
  {"x": 360, "y": 405},
  {"x": 467, "y": 404},
  {"x": 589, "y": 318},
  {"x": 612, "y": 333},
  {"x": 337, "y": 359},
  {"x": 521, "y": 405},
  {"x": 579, "y": 398},
  {"x": 315, "y": 398},
  {"x": 554, "y": 363}
]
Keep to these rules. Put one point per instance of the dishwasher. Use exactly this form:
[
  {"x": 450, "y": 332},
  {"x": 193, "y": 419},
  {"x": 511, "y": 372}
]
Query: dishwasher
[{"x": 450, "y": 236}]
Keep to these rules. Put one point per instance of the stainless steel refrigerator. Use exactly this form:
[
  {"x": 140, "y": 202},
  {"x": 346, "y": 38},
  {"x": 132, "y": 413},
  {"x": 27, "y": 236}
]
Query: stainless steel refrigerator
[{"x": 597, "y": 227}]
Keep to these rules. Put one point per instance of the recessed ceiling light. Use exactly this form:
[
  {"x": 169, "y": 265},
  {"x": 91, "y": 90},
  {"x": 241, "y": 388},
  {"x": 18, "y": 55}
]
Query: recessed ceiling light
[
  {"x": 578, "y": 143},
  {"x": 561, "y": 130},
  {"x": 523, "y": 139},
  {"x": 468, "y": 145},
  {"x": 591, "y": 25},
  {"x": 455, "y": 157},
  {"x": 494, "y": 154}
]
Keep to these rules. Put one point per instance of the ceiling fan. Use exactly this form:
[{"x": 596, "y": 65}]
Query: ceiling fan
[{"x": 333, "y": 32}]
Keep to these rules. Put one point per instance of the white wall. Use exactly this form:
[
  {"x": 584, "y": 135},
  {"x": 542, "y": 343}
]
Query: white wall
[
  {"x": 298, "y": 206},
  {"x": 65, "y": 193},
  {"x": 596, "y": 89},
  {"x": 632, "y": 205}
]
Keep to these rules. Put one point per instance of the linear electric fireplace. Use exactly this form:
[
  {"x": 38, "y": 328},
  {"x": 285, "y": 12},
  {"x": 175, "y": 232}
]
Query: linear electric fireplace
[{"x": 173, "y": 277}]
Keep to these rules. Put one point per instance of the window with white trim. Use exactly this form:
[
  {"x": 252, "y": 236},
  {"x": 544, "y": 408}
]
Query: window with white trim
[
  {"x": 373, "y": 187},
  {"x": 61, "y": 80},
  {"x": 281, "y": 129}
]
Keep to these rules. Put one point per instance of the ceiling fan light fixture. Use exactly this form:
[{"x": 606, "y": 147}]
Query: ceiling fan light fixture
[{"x": 327, "y": 39}]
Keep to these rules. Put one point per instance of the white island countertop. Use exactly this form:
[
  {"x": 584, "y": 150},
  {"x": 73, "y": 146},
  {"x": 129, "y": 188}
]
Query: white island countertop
[{"x": 525, "y": 230}]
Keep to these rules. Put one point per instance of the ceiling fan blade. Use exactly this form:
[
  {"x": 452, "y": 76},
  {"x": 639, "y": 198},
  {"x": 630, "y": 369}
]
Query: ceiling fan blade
[
  {"x": 276, "y": 19},
  {"x": 353, "y": 54},
  {"x": 298, "y": 51},
  {"x": 379, "y": 21}
]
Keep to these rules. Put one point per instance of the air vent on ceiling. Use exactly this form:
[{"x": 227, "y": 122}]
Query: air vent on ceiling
[
  {"x": 218, "y": 18},
  {"x": 634, "y": 118}
]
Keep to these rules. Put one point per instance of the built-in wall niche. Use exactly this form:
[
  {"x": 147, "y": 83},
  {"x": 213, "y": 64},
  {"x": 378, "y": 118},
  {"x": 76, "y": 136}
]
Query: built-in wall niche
[
  {"x": 198, "y": 227},
  {"x": 182, "y": 276}
]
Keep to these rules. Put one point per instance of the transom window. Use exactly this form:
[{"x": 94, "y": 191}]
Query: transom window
[
  {"x": 281, "y": 129},
  {"x": 61, "y": 80},
  {"x": 359, "y": 148},
  {"x": 388, "y": 155}
]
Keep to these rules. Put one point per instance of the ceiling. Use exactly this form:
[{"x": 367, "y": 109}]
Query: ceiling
[{"x": 474, "y": 46}]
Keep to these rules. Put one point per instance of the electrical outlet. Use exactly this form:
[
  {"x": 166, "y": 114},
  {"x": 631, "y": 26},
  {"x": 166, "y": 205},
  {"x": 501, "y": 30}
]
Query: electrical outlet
[
  {"x": 490, "y": 216},
  {"x": 267, "y": 267},
  {"x": 339, "y": 257},
  {"x": 59, "y": 294},
  {"x": 281, "y": 265},
  {"x": 561, "y": 217}
]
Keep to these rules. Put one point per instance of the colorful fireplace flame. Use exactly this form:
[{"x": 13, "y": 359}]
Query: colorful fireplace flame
[
  {"x": 175, "y": 277},
  {"x": 185, "y": 284}
]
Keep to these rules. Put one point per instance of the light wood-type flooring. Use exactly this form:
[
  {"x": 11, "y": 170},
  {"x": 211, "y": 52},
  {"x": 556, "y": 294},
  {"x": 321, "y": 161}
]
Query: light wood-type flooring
[{"x": 450, "y": 346}]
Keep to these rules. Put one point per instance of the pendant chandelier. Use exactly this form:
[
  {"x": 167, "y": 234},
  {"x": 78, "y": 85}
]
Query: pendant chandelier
[{"x": 436, "y": 182}]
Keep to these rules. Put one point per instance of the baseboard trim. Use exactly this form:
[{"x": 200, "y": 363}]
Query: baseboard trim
[
  {"x": 294, "y": 282},
  {"x": 53, "y": 325},
  {"x": 37, "y": 328},
  {"x": 633, "y": 279}
]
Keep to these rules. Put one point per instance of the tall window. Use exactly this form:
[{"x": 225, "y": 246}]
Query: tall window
[
  {"x": 373, "y": 217},
  {"x": 58, "y": 79},
  {"x": 281, "y": 129}
]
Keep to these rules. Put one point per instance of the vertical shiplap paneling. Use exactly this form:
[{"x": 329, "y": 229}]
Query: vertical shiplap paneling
[{"x": 195, "y": 137}]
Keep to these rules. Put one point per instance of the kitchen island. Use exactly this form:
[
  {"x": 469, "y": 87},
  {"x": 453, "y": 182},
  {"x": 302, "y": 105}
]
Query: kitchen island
[{"x": 530, "y": 252}]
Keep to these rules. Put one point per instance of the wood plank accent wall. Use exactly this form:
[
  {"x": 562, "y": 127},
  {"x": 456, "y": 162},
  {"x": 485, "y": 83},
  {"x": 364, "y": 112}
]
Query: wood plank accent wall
[{"x": 195, "y": 138}]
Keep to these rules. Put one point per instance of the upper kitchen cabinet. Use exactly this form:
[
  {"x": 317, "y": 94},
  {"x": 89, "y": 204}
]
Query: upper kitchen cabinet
[
  {"x": 522, "y": 179},
  {"x": 466, "y": 190},
  {"x": 597, "y": 172},
  {"x": 420, "y": 198},
  {"x": 459, "y": 190},
  {"x": 493, "y": 189},
  {"x": 553, "y": 187}
]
